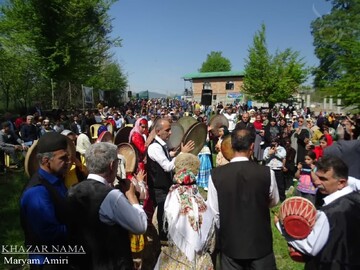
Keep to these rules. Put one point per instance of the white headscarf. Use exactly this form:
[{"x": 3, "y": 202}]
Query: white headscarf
[
  {"x": 82, "y": 143},
  {"x": 190, "y": 221}
]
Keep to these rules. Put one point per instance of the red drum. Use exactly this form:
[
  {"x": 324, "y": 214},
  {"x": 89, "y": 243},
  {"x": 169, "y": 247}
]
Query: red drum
[
  {"x": 298, "y": 216},
  {"x": 105, "y": 136},
  {"x": 295, "y": 255}
]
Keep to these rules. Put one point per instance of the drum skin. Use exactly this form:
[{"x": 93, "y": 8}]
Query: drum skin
[
  {"x": 31, "y": 162},
  {"x": 198, "y": 134},
  {"x": 298, "y": 216},
  {"x": 186, "y": 122},
  {"x": 122, "y": 135},
  {"x": 216, "y": 122},
  {"x": 130, "y": 154},
  {"x": 226, "y": 148},
  {"x": 177, "y": 134}
]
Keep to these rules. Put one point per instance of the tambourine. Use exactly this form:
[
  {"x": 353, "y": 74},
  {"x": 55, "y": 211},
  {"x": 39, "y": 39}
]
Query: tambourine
[
  {"x": 298, "y": 216},
  {"x": 196, "y": 133},
  {"x": 216, "y": 122},
  {"x": 186, "y": 122},
  {"x": 130, "y": 153},
  {"x": 122, "y": 135},
  {"x": 226, "y": 148},
  {"x": 177, "y": 134}
]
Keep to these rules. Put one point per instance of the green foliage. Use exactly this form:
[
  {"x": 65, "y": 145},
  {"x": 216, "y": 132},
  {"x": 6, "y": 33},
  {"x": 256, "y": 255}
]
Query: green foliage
[
  {"x": 215, "y": 62},
  {"x": 272, "y": 78},
  {"x": 110, "y": 78},
  {"x": 337, "y": 45},
  {"x": 60, "y": 41}
]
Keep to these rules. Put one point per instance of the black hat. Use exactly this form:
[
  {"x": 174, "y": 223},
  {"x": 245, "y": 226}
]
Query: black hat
[{"x": 50, "y": 142}]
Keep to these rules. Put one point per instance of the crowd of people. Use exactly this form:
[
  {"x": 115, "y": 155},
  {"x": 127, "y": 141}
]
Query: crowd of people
[{"x": 106, "y": 209}]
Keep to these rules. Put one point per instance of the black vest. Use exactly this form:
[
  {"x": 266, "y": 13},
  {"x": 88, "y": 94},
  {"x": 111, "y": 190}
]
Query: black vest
[
  {"x": 342, "y": 250},
  {"x": 243, "y": 196},
  {"x": 157, "y": 177},
  {"x": 106, "y": 246}
]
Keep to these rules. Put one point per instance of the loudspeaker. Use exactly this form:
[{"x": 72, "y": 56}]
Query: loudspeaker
[
  {"x": 214, "y": 97},
  {"x": 206, "y": 96},
  {"x": 129, "y": 94}
]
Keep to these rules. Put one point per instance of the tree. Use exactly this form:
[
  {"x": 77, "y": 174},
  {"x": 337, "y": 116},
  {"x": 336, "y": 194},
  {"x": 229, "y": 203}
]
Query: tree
[
  {"x": 337, "y": 45},
  {"x": 69, "y": 39},
  {"x": 111, "y": 78},
  {"x": 272, "y": 78},
  {"x": 215, "y": 62}
]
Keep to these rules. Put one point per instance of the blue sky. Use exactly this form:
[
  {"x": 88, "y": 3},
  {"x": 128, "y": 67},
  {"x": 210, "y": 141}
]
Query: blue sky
[{"x": 166, "y": 39}]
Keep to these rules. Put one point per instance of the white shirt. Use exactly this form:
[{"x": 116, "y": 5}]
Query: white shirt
[
  {"x": 119, "y": 122},
  {"x": 319, "y": 235},
  {"x": 212, "y": 197},
  {"x": 232, "y": 120},
  {"x": 116, "y": 209},
  {"x": 354, "y": 183},
  {"x": 157, "y": 154}
]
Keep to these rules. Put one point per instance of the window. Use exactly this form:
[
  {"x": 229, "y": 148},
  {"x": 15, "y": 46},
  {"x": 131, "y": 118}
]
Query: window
[
  {"x": 229, "y": 85},
  {"x": 207, "y": 85}
]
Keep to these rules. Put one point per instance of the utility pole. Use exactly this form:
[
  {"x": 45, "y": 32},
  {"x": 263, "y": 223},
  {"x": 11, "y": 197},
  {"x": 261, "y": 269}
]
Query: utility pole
[{"x": 52, "y": 94}]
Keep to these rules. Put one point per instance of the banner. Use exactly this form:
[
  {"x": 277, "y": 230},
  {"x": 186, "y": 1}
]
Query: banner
[
  {"x": 88, "y": 95},
  {"x": 234, "y": 95}
]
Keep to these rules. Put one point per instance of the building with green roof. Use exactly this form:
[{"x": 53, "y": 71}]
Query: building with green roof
[{"x": 226, "y": 85}]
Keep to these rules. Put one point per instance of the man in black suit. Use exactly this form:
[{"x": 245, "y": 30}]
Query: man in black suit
[
  {"x": 240, "y": 194},
  {"x": 245, "y": 122}
]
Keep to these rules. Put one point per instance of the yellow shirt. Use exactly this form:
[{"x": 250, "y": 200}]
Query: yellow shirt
[{"x": 71, "y": 177}]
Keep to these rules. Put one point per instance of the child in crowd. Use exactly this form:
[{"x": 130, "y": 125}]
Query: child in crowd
[
  {"x": 220, "y": 159},
  {"x": 319, "y": 149},
  {"x": 306, "y": 174}
]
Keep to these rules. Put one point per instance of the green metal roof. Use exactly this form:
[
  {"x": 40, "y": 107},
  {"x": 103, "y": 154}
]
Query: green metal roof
[{"x": 202, "y": 75}]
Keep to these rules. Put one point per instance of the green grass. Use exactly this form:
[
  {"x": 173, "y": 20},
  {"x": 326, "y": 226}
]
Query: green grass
[{"x": 11, "y": 186}]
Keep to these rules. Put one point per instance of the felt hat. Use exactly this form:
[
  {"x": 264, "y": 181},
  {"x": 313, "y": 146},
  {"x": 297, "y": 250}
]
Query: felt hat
[{"x": 50, "y": 142}]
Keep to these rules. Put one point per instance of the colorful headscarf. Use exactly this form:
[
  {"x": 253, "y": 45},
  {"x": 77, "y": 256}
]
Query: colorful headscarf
[
  {"x": 184, "y": 177},
  {"x": 189, "y": 220}
]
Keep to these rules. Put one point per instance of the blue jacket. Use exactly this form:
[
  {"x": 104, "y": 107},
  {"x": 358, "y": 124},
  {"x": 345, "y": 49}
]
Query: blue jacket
[{"x": 39, "y": 214}]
